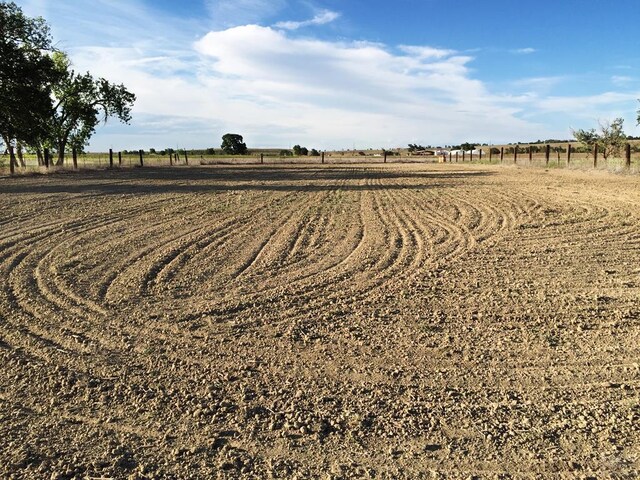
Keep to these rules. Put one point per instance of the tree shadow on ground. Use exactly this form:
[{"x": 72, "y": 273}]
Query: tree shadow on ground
[{"x": 158, "y": 180}]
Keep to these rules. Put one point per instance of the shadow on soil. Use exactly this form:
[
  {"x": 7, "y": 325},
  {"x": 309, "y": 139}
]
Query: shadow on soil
[{"x": 156, "y": 180}]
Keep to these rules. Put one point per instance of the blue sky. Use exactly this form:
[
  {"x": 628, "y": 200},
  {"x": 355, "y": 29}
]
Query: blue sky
[{"x": 333, "y": 74}]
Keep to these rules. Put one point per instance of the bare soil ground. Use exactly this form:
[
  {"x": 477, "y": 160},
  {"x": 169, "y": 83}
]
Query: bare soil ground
[{"x": 416, "y": 321}]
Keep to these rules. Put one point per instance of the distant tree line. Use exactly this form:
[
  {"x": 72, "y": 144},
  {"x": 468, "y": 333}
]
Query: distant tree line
[{"x": 299, "y": 151}]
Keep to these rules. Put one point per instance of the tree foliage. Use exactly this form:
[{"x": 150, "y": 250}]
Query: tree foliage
[
  {"x": 81, "y": 102},
  {"x": 26, "y": 73},
  {"x": 299, "y": 151},
  {"x": 610, "y": 137},
  {"x": 43, "y": 102},
  {"x": 414, "y": 147},
  {"x": 233, "y": 144}
]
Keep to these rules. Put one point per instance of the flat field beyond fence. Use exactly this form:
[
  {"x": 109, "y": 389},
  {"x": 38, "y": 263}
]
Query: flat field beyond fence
[
  {"x": 397, "y": 321},
  {"x": 93, "y": 161}
]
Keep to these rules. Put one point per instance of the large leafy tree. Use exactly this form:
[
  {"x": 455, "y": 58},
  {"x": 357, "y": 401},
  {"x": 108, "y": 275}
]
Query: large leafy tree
[
  {"x": 233, "y": 144},
  {"x": 610, "y": 138},
  {"x": 81, "y": 103},
  {"x": 26, "y": 74},
  {"x": 466, "y": 146},
  {"x": 299, "y": 151}
]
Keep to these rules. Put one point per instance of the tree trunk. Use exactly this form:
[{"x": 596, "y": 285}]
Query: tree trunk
[
  {"x": 12, "y": 160},
  {"x": 40, "y": 156},
  {"x": 20, "y": 156},
  {"x": 61, "y": 147},
  {"x": 12, "y": 157}
]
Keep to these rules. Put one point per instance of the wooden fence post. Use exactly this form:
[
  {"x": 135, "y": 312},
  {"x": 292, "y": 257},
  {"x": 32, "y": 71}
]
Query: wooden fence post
[
  {"x": 141, "y": 159},
  {"x": 480, "y": 155},
  {"x": 119, "y": 159},
  {"x": 463, "y": 155},
  {"x": 456, "y": 156},
  {"x": 74, "y": 155},
  {"x": 501, "y": 154},
  {"x": 530, "y": 154},
  {"x": 322, "y": 157},
  {"x": 12, "y": 167},
  {"x": 385, "y": 156},
  {"x": 547, "y": 152},
  {"x": 46, "y": 157},
  {"x": 450, "y": 157},
  {"x": 111, "y": 158},
  {"x": 490, "y": 154},
  {"x": 568, "y": 153},
  {"x": 595, "y": 155},
  {"x": 262, "y": 158},
  {"x": 627, "y": 162},
  {"x": 515, "y": 153}
]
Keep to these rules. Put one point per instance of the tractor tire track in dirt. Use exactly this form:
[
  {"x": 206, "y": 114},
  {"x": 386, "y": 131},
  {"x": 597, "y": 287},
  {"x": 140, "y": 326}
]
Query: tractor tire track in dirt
[{"x": 388, "y": 321}]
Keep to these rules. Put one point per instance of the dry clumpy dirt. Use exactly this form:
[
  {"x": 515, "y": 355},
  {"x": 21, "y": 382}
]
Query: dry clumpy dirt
[{"x": 417, "y": 321}]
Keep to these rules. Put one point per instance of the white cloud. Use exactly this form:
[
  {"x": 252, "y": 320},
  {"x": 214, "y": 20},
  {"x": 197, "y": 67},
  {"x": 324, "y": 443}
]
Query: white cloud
[
  {"x": 541, "y": 82},
  {"x": 423, "y": 52},
  {"x": 523, "y": 51},
  {"x": 589, "y": 104},
  {"x": 278, "y": 89},
  {"x": 229, "y": 13},
  {"x": 622, "y": 80},
  {"x": 359, "y": 90},
  {"x": 322, "y": 18}
]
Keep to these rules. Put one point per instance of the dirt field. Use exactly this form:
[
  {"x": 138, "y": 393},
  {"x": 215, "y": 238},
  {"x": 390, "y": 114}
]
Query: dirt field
[{"x": 420, "y": 321}]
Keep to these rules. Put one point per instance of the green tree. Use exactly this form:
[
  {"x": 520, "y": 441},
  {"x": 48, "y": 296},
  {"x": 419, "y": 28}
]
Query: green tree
[
  {"x": 414, "y": 147},
  {"x": 26, "y": 73},
  {"x": 299, "y": 151},
  {"x": 314, "y": 153},
  {"x": 466, "y": 146},
  {"x": 80, "y": 103},
  {"x": 610, "y": 138},
  {"x": 233, "y": 144}
]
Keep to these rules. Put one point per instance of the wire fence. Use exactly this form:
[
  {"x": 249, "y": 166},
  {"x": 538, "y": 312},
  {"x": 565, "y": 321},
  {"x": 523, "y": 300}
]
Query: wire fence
[{"x": 521, "y": 155}]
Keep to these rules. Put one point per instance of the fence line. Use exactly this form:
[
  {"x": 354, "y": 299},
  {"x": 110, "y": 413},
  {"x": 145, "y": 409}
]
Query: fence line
[{"x": 523, "y": 155}]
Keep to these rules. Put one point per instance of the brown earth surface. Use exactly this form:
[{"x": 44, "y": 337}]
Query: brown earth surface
[{"x": 416, "y": 321}]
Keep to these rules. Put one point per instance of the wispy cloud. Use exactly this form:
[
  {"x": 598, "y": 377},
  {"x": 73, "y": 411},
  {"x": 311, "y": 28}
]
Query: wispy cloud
[
  {"x": 622, "y": 80},
  {"x": 358, "y": 89},
  {"x": 322, "y": 18},
  {"x": 277, "y": 88},
  {"x": 230, "y": 13},
  {"x": 523, "y": 51},
  {"x": 424, "y": 52},
  {"x": 588, "y": 105}
]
